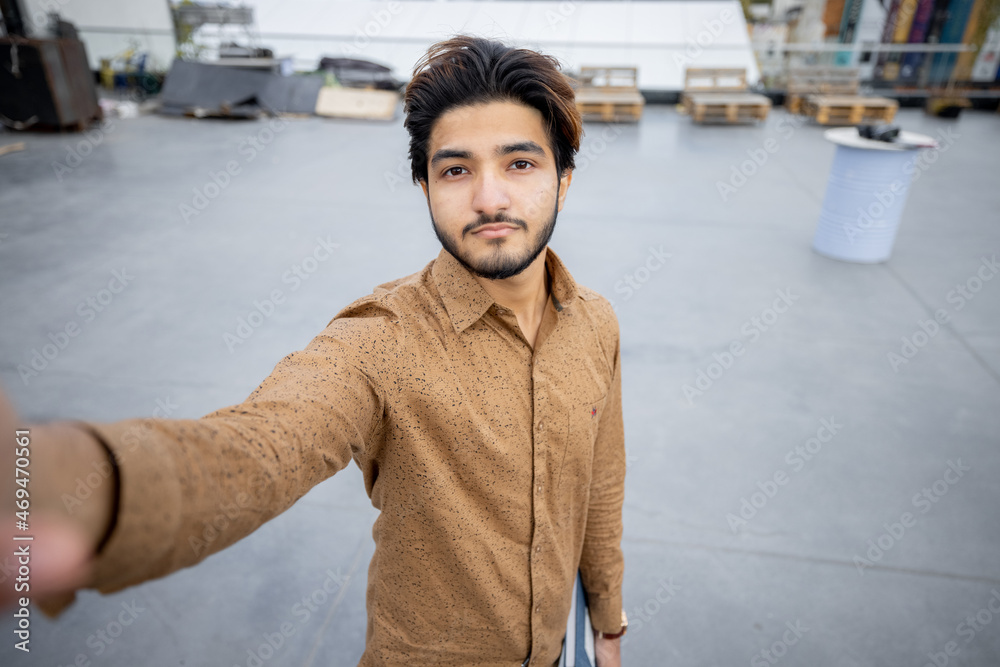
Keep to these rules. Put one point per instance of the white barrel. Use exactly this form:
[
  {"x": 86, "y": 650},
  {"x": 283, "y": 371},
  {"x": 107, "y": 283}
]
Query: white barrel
[{"x": 864, "y": 198}]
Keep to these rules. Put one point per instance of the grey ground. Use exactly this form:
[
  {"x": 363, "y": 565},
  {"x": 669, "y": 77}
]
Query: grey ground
[{"x": 698, "y": 592}]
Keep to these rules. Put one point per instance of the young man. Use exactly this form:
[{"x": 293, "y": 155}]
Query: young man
[{"x": 481, "y": 398}]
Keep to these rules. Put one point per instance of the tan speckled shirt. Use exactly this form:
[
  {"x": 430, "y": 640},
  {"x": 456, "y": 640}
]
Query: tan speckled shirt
[{"x": 499, "y": 470}]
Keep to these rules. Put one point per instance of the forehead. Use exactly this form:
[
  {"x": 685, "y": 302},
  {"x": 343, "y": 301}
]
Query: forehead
[{"x": 483, "y": 127}]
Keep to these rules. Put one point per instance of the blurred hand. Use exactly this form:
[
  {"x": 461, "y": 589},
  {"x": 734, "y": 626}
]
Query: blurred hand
[
  {"x": 607, "y": 652},
  {"x": 57, "y": 556}
]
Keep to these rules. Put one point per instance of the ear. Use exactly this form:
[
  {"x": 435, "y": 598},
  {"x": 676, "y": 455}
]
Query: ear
[
  {"x": 423, "y": 186},
  {"x": 564, "y": 182}
]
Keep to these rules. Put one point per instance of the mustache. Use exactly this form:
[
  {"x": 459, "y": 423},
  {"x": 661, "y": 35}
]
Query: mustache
[{"x": 484, "y": 219}]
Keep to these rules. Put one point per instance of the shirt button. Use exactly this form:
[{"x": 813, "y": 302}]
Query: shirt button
[
  {"x": 538, "y": 550},
  {"x": 539, "y": 488},
  {"x": 541, "y": 426}
]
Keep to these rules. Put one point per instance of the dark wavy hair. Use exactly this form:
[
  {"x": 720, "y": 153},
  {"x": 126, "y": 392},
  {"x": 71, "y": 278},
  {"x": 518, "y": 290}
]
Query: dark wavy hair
[{"x": 466, "y": 71}]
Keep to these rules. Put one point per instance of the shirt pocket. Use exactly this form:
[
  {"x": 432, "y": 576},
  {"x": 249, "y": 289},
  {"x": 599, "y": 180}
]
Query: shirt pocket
[{"x": 576, "y": 464}]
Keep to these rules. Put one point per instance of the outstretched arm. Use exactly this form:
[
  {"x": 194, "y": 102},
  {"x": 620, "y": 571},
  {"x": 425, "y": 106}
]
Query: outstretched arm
[
  {"x": 188, "y": 488},
  {"x": 52, "y": 543}
]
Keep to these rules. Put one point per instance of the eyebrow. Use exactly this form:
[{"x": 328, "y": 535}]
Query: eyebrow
[
  {"x": 520, "y": 147},
  {"x": 506, "y": 149},
  {"x": 449, "y": 154}
]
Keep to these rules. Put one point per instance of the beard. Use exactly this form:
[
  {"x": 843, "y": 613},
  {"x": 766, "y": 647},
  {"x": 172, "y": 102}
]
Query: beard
[{"x": 500, "y": 263}]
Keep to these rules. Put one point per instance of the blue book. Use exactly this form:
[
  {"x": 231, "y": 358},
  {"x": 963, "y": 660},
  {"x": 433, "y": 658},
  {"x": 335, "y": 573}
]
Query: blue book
[
  {"x": 910, "y": 68},
  {"x": 951, "y": 33},
  {"x": 848, "y": 27}
]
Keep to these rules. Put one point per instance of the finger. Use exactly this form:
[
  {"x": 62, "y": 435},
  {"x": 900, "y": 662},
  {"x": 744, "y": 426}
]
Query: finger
[{"x": 55, "y": 560}]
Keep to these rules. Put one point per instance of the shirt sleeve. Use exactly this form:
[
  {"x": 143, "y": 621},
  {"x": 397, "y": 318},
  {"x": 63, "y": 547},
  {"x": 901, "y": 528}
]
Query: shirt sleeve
[
  {"x": 189, "y": 488},
  {"x": 602, "y": 565}
]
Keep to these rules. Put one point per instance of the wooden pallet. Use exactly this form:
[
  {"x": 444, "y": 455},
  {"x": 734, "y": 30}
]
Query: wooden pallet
[
  {"x": 821, "y": 80},
  {"x": 726, "y": 107},
  {"x": 608, "y": 106},
  {"x": 609, "y": 94},
  {"x": 719, "y": 94},
  {"x": 850, "y": 109}
]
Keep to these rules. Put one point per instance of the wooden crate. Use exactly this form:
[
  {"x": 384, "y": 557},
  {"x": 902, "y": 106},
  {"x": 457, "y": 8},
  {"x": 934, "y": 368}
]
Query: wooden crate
[
  {"x": 356, "y": 103},
  {"x": 850, "y": 109},
  {"x": 609, "y": 94},
  {"x": 727, "y": 108},
  {"x": 805, "y": 81},
  {"x": 53, "y": 88}
]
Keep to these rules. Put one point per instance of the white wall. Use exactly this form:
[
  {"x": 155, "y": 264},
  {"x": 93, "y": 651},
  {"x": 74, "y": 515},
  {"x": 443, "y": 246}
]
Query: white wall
[
  {"x": 119, "y": 23},
  {"x": 660, "y": 37}
]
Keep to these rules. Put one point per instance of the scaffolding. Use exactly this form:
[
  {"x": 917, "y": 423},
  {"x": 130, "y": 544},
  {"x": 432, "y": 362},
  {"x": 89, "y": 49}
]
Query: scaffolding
[{"x": 203, "y": 30}]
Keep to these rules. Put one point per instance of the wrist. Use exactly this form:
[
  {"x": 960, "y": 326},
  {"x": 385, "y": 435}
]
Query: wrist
[
  {"x": 76, "y": 480},
  {"x": 615, "y": 635}
]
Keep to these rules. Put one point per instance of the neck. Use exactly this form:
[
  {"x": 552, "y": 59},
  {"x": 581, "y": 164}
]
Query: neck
[{"x": 526, "y": 293}]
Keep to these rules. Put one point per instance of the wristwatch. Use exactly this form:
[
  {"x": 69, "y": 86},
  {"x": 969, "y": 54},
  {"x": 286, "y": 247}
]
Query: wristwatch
[{"x": 605, "y": 635}]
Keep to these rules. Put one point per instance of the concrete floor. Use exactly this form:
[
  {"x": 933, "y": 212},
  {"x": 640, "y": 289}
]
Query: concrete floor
[{"x": 698, "y": 591}]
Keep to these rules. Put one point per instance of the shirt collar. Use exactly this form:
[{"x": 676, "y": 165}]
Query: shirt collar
[{"x": 466, "y": 300}]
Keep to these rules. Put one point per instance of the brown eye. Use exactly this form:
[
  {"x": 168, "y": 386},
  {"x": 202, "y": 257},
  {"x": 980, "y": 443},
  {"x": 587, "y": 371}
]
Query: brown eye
[
  {"x": 455, "y": 171},
  {"x": 521, "y": 165}
]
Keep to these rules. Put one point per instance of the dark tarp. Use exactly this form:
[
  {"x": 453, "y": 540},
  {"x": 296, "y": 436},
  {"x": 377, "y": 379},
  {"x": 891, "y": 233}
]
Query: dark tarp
[{"x": 193, "y": 87}]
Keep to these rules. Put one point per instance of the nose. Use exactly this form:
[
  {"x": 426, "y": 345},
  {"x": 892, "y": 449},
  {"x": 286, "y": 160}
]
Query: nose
[{"x": 490, "y": 195}]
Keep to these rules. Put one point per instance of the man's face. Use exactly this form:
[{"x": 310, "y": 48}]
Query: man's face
[{"x": 492, "y": 187}]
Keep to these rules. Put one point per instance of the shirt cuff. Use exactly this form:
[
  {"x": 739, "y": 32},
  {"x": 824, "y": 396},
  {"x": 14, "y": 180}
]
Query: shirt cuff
[
  {"x": 135, "y": 548},
  {"x": 606, "y": 613},
  {"x": 148, "y": 487}
]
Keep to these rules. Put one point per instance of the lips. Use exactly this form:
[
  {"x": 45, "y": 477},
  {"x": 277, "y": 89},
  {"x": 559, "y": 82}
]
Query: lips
[{"x": 494, "y": 231}]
